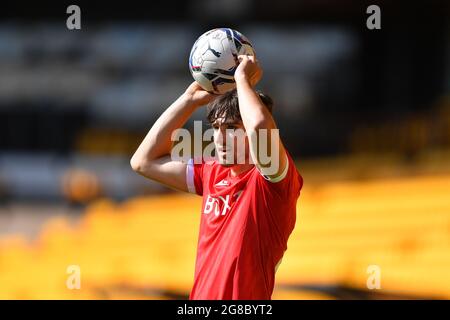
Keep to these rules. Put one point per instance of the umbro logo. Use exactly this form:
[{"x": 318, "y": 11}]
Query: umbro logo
[{"x": 223, "y": 183}]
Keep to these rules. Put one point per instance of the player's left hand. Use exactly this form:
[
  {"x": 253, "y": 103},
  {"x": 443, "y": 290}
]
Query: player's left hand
[{"x": 248, "y": 69}]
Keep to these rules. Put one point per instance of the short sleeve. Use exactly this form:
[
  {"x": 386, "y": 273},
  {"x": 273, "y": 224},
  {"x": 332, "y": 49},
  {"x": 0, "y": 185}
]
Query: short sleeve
[
  {"x": 289, "y": 181},
  {"x": 194, "y": 177},
  {"x": 282, "y": 175}
]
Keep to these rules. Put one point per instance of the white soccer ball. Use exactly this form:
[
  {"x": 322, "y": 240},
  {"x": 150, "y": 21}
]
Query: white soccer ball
[{"x": 214, "y": 58}]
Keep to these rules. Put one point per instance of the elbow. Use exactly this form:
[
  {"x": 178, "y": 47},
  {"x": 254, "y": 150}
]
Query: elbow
[{"x": 136, "y": 164}]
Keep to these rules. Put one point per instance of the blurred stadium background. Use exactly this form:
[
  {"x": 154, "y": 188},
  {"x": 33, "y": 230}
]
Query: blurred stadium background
[{"x": 365, "y": 113}]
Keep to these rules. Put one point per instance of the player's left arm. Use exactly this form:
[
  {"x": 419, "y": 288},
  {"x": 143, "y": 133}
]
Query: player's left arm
[{"x": 255, "y": 116}]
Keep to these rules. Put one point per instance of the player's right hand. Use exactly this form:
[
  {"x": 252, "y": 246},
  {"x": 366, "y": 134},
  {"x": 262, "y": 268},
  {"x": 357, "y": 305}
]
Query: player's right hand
[{"x": 199, "y": 96}]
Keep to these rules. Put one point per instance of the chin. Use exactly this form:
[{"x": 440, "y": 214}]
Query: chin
[{"x": 223, "y": 163}]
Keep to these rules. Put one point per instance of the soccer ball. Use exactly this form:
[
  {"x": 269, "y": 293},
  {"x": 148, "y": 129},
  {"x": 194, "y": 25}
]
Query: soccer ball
[{"x": 214, "y": 58}]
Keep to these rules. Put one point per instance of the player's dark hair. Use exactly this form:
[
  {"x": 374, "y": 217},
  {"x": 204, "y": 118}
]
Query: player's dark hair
[{"x": 227, "y": 106}]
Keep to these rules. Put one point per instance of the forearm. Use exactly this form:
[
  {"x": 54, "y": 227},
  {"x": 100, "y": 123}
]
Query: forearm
[
  {"x": 157, "y": 142},
  {"x": 254, "y": 113},
  {"x": 256, "y": 116}
]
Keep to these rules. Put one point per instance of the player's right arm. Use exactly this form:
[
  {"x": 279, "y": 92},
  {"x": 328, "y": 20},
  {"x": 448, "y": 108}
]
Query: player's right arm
[{"x": 152, "y": 157}]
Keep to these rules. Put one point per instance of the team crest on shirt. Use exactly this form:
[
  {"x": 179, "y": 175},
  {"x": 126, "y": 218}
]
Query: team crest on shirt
[{"x": 220, "y": 205}]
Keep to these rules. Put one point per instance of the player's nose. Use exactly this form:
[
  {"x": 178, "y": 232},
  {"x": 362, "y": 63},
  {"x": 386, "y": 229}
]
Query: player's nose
[{"x": 219, "y": 137}]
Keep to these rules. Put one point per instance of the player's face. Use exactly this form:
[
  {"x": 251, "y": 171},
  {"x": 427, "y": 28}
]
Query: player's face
[{"x": 231, "y": 142}]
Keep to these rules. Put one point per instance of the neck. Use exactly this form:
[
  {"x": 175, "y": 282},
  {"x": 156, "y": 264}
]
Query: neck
[{"x": 238, "y": 169}]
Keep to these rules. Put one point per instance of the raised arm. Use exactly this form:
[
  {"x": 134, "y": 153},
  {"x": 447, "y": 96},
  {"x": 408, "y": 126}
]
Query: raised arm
[
  {"x": 152, "y": 158},
  {"x": 255, "y": 116}
]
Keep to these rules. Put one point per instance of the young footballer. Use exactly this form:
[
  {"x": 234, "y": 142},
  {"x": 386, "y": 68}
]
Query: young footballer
[{"x": 249, "y": 206}]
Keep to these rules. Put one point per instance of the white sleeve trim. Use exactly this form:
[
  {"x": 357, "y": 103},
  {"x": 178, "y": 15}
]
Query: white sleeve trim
[
  {"x": 190, "y": 176},
  {"x": 281, "y": 176}
]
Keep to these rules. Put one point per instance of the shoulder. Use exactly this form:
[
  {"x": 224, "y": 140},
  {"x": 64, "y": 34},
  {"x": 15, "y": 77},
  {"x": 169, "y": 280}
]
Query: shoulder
[
  {"x": 203, "y": 167},
  {"x": 200, "y": 162},
  {"x": 289, "y": 182}
]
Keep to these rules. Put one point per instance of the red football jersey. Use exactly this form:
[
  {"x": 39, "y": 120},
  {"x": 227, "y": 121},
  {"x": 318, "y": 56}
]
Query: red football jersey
[{"x": 245, "y": 225}]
